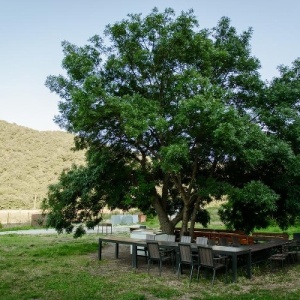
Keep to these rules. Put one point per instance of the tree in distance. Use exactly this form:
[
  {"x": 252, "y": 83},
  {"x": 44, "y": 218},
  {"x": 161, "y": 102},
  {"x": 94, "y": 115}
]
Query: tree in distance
[{"x": 172, "y": 116}]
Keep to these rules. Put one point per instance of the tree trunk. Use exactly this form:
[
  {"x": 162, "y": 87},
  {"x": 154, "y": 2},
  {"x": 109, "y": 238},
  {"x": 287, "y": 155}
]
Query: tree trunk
[
  {"x": 185, "y": 220},
  {"x": 193, "y": 218},
  {"x": 165, "y": 224}
]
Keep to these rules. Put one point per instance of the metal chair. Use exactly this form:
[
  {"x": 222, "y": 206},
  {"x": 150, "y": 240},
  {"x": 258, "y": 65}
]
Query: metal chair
[
  {"x": 223, "y": 241},
  {"x": 280, "y": 256},
  {"x": 235, "y": 241},
  {"x": 166, "y": 237},
  {"x": 171, "y": 237},
  {"x": 207, "y": 260},
  {"x": 186, "y": 239},
  {"x": 296, "y": 236},
  {"x": 149, "y": 237},
  {"x": 169, "y": 251},
  {"x": 201, "y": 240},
  {"x": 292, "y": 250},
  {"x": 186, "y": 258},
  {"x": 211, "y": 242},
  {"x": 155, "y": 255}
]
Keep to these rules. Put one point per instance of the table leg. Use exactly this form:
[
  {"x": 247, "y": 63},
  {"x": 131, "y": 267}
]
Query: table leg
[
  {"x": 234, "y": 268},
  {"x": 177, "y": 260},
  {"x": 249, "y": 264},
  {"x": 100, "y": 250},
  {"x": 117, "y": 250},
  {"x": 134, "y": 256}
]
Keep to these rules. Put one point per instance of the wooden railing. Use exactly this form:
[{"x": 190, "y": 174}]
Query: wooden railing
[{"x": 243, "y": 238}]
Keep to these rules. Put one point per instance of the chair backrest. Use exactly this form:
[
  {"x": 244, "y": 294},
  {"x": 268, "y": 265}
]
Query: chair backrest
[
  {"x": 296, "y": 236},
  {"x": 235, "y": 241},
  {"x": 185, "y": 252},
  {"x": 171, "y": 237},
  {"x": 153, "y": 250},
  {"x": 150, "y": 237},
  {"x": 211, "y": 242},
  {"x": 285, "y": 248},
  {"x": 223, "y": 241},
  {"x": 206, "y": 256},
  {"x": 201, "y": 240},
  {"x": 185, "y": 239},
  {"x": 161, "y": 237}
]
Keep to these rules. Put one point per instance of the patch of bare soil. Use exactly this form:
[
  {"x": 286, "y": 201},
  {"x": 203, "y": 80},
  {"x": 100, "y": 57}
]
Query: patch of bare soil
[
  {"x": 263, "y": 278},
  {"x": 124, "y": 262},
  {"x": 112, "y": 268}
]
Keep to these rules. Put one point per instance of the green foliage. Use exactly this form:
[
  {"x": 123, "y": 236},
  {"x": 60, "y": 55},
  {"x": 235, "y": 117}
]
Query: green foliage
[
  {"x": 203, "y": 217},
  {"x": 30, "y": 160},
  {"x": 164, "y": 110},
  {"x": 249, "y": 207},
  {"x": 63, "y": 197}
]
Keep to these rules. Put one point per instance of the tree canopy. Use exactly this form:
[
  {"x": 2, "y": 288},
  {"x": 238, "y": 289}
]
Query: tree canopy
[{"x": 173, "y": 116}]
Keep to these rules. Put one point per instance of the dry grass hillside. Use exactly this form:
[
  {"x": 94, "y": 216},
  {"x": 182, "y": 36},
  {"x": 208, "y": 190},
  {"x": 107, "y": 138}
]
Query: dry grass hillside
[{"x": 30, "y": 160}]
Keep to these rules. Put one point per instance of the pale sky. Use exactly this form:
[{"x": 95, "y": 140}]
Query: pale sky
[{"x": 31, "y": 32}]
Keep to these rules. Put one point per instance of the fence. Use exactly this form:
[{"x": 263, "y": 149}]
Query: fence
[{"x": 10, "y": 217}]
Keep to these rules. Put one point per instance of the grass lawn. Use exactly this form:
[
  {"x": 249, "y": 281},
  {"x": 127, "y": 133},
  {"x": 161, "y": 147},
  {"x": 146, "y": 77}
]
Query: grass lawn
[{"x": 61, "y": 267}]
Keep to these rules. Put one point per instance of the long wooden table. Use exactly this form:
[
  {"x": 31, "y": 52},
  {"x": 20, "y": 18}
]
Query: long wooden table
[
  {"x": 261, "y": 251},
  {"x": 132, "y": 242},
  {"x": 267, "y": 245},
  {"x": 234, "y": 252}
]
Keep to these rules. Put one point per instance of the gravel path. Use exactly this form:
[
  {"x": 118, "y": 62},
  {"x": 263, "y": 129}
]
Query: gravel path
[{"x": 115, "y": 229}]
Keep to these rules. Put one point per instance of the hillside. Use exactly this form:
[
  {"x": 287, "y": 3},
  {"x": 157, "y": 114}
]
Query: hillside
[{"x": 30, "y": 160}]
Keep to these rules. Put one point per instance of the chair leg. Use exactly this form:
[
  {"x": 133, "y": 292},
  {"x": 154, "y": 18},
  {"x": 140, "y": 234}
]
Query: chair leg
[
  {"x": 191, "y": 273},
  {"x": 146, "y": 253},
  {"x": 198, "y": 273},
  {"x": 214, "y": 274},
  {"x": 148, "y": 265},
  {"x": 173, "y": 261},
  {"x": 179, "y": 270},
  {"x": 206, "y": 276},
  {"x": 160, "y": 267}
]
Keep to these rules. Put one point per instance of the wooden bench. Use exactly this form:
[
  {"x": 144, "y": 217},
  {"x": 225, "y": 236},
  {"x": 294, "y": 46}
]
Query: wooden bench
[
  {"x": 242, "y": 238},
  {"x": 218, "y": 234}
]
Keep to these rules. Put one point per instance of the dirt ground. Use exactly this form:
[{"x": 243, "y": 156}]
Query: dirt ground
[
  {"x": 262, "y": 279},
  {"x": 124, "y": 262}
]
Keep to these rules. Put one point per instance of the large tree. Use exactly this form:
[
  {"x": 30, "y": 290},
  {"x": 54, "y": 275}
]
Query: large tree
[{"x": 171, "y": 116}]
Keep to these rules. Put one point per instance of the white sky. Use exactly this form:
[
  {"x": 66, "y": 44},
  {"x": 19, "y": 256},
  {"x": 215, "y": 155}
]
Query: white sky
[{"x": 31, "y": 32}]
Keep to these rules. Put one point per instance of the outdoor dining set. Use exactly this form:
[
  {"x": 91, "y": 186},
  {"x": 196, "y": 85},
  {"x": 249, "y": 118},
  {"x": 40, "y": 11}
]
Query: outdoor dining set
[
  {"x": 195, "y": 256},
  {"x": 203, "y": 253}
]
